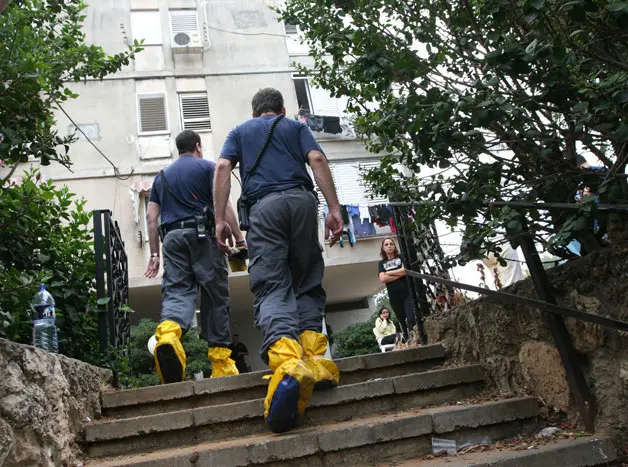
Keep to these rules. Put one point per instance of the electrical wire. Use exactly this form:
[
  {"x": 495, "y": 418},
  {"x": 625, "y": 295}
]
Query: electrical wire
[
  {"x": 116, "y": 171},
  {"x": 230, "y": 31}
]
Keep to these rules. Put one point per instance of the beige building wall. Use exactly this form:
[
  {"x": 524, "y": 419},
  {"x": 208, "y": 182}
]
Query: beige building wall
[{"x": 244, "y": 49}]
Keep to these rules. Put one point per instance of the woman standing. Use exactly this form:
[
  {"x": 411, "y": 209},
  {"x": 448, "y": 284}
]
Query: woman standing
[{"x": 392, "y": 273}]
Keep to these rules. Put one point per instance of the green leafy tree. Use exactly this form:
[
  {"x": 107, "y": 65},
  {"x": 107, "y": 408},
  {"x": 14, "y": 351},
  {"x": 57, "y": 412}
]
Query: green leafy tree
[
  {"x": 496, "y": 99},
  {"x": 47, "y": 239},
  {"x": 42, "y": 49},
  {"x": 142, "y": 363}
]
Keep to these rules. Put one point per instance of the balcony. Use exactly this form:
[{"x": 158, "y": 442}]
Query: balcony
[{"x": 326, "y": 127}]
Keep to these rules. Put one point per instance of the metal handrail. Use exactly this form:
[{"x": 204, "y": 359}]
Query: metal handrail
[
  {"x": 611, "y": 208},
  {"x": 555, "y": 315},
  {"x": 508, "y": 298}
]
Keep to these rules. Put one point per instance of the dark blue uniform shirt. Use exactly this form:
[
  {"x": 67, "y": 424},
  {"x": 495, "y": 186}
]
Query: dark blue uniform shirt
[
  {"x": 283, "y": 164},
  {"x": 192, "y": 180}
]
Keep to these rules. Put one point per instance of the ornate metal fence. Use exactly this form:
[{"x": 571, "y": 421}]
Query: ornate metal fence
[
  {"x": 112, "y": 282},
  {"x": 421, "y": 251}
]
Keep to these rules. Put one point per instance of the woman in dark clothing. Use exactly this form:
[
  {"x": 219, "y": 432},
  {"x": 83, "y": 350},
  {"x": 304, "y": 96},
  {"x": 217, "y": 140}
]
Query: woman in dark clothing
[{"x": 393, "y": 274}]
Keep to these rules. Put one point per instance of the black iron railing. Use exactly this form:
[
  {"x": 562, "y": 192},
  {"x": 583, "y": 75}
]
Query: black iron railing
[
  {"x": 412, "y": 238},
  {"x": 421, "y": 252},
  {"x": 112, "y": 282}
]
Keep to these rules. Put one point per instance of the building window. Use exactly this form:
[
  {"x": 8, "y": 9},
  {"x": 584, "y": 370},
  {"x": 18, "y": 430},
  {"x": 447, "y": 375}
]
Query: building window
[
  {"x": 184, "y": 28},
  {"x": 302, "y": 89},
  {"x": 146, "y": 25},
  {"x": 195, "y": 112},
  {"x": 291, "y": 29},
  {"x": 294, "y": 42},
  {"x": 350, "y": 184},
  {"x": 152, "y": 114},
  {"x": 314, "y": 100}
]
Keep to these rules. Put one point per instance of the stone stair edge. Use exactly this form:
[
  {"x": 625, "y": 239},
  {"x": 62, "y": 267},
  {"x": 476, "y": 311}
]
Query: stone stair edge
[
  {"x": 329, "y": 438},
  {"x": 151, "y": 394},
  {"x": 583, "y": 452},
  {"x": 187, "y": 418}
]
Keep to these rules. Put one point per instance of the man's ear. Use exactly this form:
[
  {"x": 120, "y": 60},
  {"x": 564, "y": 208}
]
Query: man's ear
[{"x": 283, "y": 110}]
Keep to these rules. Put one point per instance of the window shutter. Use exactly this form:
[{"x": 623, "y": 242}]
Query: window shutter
[
  {"x": 183, "y": 21},
  {"x": 350, "y": 186},
  {"x": 146, "y": 25},
  {"x": 152, "y": 113},
  {"x": 195, "y": 112},
  {"x": 364, "y": 166}
]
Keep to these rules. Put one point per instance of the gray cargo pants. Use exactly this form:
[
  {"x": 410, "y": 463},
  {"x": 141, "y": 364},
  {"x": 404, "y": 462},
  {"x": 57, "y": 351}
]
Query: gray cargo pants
[
  {"x": 286, "y": 265},
  {"x": 190, "y": 264}
]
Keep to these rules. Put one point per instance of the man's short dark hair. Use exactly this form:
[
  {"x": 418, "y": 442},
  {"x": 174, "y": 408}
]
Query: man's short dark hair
[
  {"x": 187, "y": 141},
  {"x": 267, "y": 100}
]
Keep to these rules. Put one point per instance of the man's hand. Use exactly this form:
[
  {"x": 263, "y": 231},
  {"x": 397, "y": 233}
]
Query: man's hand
[
  {"x": 224, "y": 236},
  {"x": 333, "y": 224},
  {"x": 153, "y": 267}
]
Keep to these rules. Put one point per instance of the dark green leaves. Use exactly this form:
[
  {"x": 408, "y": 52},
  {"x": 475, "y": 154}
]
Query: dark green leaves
[
  {"x": 495, "y": 98},
  {"x": 42, "y": 49},
  {"x": 37, "y": 248}
]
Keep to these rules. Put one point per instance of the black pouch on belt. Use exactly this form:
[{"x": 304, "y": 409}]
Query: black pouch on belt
[{"x": 243, "y": 213}]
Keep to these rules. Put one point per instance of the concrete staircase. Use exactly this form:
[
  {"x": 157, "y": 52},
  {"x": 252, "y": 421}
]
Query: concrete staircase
[{"x": 387, "y": 409}]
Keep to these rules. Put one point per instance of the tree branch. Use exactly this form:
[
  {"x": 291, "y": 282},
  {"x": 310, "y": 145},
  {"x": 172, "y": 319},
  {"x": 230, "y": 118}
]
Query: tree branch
[
  {"x": 11, "y": 172},
  {"x": 599, "y": 154}
]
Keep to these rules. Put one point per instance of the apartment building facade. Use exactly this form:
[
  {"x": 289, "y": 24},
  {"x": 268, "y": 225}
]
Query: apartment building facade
[{"x": 202, "y": 62}]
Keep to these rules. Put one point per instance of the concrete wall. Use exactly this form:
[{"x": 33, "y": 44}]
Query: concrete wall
[
  {"x": 45, "y": 399},
  {"x": 515, "y": 345}
]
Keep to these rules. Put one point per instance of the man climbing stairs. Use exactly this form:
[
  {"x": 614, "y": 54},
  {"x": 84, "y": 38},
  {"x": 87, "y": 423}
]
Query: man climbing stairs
[{"x": 386, "y": 411}]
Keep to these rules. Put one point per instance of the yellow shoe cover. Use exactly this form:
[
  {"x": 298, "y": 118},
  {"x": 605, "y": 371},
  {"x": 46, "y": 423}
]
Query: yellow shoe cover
[
  {"x": 222, "y": 365},
  {"x": 325, "y": 371},
  {"x": 169, "y": 353},
  {"x": 290, "y": 387}
]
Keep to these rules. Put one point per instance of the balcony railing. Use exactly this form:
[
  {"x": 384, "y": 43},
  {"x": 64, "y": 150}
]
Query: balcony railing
[{"x": 326, "y": 127}]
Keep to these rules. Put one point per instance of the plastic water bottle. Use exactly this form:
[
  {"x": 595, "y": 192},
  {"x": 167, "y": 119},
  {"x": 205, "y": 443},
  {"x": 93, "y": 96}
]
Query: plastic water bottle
[{"x": 44, "y": 326}]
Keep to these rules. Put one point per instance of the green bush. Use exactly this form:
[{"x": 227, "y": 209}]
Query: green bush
[
  {"x": 358, "y": 339},
  {"x": 142, "y": 365},
  {"x": 47, "y": 239}
]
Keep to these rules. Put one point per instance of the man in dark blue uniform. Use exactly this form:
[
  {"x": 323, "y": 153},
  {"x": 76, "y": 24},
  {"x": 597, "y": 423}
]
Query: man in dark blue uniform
[
  {"x": 285, "y": 257},
  {"x": 182, "y": 195}
]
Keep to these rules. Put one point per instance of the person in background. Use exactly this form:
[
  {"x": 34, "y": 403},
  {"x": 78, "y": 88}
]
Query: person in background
[
  {"x": 384, "y": 330},
  {"x": 238, "y": 352},
  {"x": 393, "y": 274}
]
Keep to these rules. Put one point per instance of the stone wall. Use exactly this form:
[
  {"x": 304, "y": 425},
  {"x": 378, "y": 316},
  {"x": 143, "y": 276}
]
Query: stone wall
[
  {"x": 516, "y": 348},
  {"x": 45, "y": 399}
]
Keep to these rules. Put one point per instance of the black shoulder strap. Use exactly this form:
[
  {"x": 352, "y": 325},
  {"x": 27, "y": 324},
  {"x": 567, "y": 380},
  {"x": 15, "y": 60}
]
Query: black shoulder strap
[
  {"x": 257, "y": 160},
  {"x": 172, "y": 193}
]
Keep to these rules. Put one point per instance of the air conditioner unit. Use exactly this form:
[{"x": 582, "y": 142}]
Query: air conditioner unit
[{"x": 186, "y": 42}]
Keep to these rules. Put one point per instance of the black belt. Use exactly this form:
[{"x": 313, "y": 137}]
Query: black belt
[{"x": 184, "y": 224}]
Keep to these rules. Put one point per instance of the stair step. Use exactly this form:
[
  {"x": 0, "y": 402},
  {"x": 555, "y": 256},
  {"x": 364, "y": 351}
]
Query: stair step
[
  {"x": 377, "y": 439},
  {"x": 584, "y": 452},
  {"x": 213, "y": 391},
  {"x": 183, "y": 427}
]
